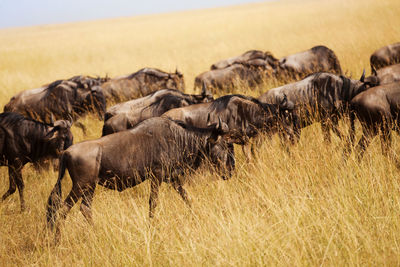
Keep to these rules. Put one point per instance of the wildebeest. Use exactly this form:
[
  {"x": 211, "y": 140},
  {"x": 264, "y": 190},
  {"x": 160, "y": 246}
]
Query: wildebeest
[
  {"x": 61, "y": 100},
  {"x": 317, "y": 59},
  {"x": 239, "y": 74},
  {"x": 385, "y": 75},
  {"x": 252, "y": 57},
  {"x": 24, "y": 140},
  {"x": 141, "y": 83},
  {"x": 385, "y": 56},
  {"x": 245, "y": 116},
  {"x": 158, "y": 149},
  {"x": 323, "y": 97},
  {"x": 127, "y": 115},
  {"x": 378, "y": 109}
]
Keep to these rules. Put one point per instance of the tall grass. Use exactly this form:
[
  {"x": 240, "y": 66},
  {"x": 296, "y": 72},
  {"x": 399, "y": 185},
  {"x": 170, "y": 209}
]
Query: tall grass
[{"x": 308, "y": 207}]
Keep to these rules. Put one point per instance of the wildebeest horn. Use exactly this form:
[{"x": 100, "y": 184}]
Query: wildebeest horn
[
  {"x": 69, "y": 123},
  {"x": 219, "y": 126},
  {"x": 177, "y": 72},
  {"x": 222, "y": 127},
  {"x": 51, "y": 119},
  {"x": 362, "y": 76},
  {"x": 70, "y": 119}
]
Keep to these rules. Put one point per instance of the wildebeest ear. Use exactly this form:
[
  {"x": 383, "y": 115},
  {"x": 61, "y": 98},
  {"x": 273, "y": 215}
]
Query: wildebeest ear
[
  {"x": 362, "y": 76},
  {"x": 52, "y": 131}
]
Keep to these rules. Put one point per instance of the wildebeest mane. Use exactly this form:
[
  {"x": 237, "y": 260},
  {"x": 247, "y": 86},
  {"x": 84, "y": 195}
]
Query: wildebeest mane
[
  {"x": 38, "y": 131},
  {"x": 346, "y": 88},
  {"x": 54, "y": 84},
  {"x": 172, "y": 101},
  {"x": 152, "y": 72},
  {"x": 222, "y": 102},
  {"x": 195, "y": 129}
]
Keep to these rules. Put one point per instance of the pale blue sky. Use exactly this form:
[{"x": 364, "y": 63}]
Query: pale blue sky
[{"x": 14, "y": 13}]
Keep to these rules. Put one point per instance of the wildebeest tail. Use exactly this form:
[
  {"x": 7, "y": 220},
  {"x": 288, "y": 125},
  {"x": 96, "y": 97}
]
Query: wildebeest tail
[{"x": 54, "y": 201}]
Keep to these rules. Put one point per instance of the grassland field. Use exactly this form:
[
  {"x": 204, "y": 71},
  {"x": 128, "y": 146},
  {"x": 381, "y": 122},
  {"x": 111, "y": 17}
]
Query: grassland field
[{"x": 308, "y": 207}]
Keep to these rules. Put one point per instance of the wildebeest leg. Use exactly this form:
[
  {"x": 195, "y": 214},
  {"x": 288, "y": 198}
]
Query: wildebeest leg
[
  {"x": 331, "y": 124},
  {"x": 386, "y": 140},
  {"x": 231, "y": 162},
  {"x": 20, "y": 185},
  {"x": 86, "y": 205},
  {"x": 325, "y": 127},
  {"x": 154, "y": 188},
  {"x": 179, "y": 188},
  {"x": 368, "y": 134},
  {"x": 335, "y": 127},
  {"x": 350, "y": 141},
  {"x": 12, "y": 187},
  {"x": 69, "y": 202}
]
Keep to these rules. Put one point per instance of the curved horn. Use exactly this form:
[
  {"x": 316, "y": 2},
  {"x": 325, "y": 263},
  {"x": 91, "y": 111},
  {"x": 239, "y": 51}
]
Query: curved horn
[
  {"x": 51, "y": 119},
  {"x": 219, "y": 126},
  {"x": 362, "y": 76},
  {"x": 70, "y": 119}
]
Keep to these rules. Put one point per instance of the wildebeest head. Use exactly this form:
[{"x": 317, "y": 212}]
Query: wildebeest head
[
  {"x": 366, "y": 83},
  {"x": 287, "y": 119},
  {"x": 175, "y": 81},
  {"x": 217, "y": 146},
  {"x": 205, "y": 96},
  {"x": 59, "y": 137},
  {"x": 94, "y": 101},
  {"x": 269, "y": 119},
  {"x": 220, "y": 149}
]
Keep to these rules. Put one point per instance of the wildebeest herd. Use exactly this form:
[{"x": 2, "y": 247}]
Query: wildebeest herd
[{"x": 157, "y": 132}]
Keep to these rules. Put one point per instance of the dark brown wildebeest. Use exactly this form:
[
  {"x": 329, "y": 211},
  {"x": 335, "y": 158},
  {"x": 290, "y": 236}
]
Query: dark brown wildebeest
[
  {"x": 299, "y": 65},
  {"x": 378, "y": 109},
  {"x": 385, "y": 56},
  {"x": 61, "y": 100},
  {"x": 127, "y": 115},
  {"x": 141, "y": 83},
  {"x": 385, "y": 75},
  {"x": 252, "y": 57},
  {"x": 322, "y": 97},
  {"x": 241, "y": 74},
  {"x": 24, "y": 140},
  {"x": 158, "y": 149},
  {"x": 245, "y": 117}
]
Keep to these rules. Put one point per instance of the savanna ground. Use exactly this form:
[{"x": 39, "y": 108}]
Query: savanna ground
[{"x": 306, "y": 208}]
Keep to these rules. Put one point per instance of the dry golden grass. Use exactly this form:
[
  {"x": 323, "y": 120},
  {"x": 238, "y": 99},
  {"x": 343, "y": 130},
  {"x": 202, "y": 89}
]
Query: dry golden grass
[{"x": 306, "y": 208}]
